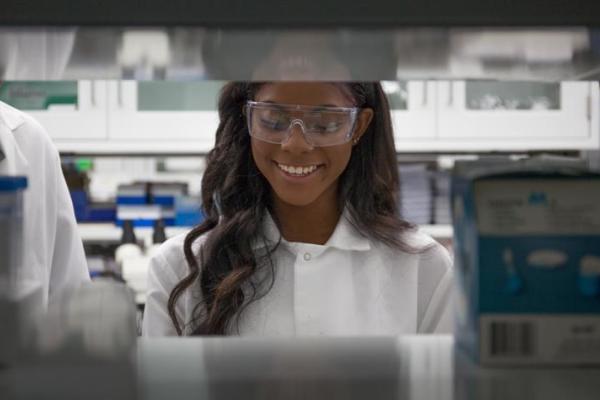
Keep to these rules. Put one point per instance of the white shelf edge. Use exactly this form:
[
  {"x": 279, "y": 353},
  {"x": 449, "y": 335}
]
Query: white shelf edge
[
  {"x": 438, "y": 231},
  {"x": 109, "y": 232},
  {"x": 116, "y": 147}
]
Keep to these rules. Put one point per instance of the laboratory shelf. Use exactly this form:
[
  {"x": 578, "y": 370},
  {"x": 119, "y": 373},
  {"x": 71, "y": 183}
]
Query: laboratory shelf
[
  {"x": 133, "y": 147},
  {"x": 105, "y": 232},
  {"x": 412, "y": 367},
  {"x": 437, "y": 231}
]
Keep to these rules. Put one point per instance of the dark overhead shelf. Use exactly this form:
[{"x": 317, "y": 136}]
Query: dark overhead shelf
[{"x": 262, "y": 14}]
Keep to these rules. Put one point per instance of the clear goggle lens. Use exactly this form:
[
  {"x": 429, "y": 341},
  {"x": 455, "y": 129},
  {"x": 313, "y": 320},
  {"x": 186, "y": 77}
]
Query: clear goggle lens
[{"x": 322, "y": 126}]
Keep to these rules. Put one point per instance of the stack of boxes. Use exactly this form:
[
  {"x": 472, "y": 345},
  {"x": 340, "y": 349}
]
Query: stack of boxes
[{"x": 145, "y": 202}]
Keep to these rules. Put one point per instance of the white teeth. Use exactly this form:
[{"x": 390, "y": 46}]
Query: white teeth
[{"x": 298, "y": 170}]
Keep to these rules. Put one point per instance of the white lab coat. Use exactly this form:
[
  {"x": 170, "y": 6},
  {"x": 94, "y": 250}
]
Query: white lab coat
[
  {"x": 54, "y": 258},
  {"x": 349, "y": 286}
]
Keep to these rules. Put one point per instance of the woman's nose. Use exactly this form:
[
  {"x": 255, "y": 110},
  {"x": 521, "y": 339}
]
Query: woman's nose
[{"x": 296, "y": 140}]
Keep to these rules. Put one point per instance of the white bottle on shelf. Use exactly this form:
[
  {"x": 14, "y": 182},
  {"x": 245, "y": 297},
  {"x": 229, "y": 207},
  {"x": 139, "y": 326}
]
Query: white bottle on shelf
[{"x": 129, "y": 247}]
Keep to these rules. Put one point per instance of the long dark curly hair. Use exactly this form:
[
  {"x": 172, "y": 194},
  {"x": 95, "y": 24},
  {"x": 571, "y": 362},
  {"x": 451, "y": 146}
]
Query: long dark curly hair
[{"x": 236, "y": 198}]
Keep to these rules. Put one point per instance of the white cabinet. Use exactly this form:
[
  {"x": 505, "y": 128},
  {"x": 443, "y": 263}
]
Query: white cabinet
[
  {"x": 159, "y": 116},
  {"x": 412, "y": 111},
  {"x": 181, "y": 117},
  {"x": 515, "y": 116},
  {"x": 69, "y": 110}
]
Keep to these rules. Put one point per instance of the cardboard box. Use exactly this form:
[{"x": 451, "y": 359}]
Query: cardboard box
[{"x": 527, "y": 256}]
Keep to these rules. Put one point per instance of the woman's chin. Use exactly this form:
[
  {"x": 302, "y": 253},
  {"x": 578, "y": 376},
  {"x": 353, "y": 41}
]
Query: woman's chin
[{"x": 300, "y": 200}]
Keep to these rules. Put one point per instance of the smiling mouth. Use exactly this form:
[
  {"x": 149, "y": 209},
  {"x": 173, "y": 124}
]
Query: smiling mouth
[{"x": 298, "y": 170}]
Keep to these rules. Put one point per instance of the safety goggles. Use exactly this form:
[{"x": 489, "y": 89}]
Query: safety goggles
[{"x": 321, "y": 126}]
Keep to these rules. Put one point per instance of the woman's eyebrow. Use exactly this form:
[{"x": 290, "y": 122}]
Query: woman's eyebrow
[
  {"x": 327, "y": 106},
  {"x": 274, "y": 104},
  {"x": 320, "y": 107}
]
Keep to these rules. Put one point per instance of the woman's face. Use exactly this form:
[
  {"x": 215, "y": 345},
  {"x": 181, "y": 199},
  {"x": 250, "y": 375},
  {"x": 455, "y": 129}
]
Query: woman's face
[{"x": 321, "y": 167}]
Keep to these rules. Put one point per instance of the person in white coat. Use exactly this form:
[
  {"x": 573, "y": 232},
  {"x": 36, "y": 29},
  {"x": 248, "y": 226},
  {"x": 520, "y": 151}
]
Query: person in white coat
[
  {"x": 54, "y": 258},
  {"x": 303, "y": 235}
]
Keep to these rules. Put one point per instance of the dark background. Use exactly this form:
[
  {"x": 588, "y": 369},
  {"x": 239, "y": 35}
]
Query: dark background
[{"x": 262, "y": 14}]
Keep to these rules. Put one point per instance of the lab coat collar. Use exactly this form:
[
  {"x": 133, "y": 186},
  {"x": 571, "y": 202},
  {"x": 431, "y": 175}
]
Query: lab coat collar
[
  {"x": 10, "y": 116},
  {"x": 344, "y": 237},
  {"x": 12, "y": 160},
  {"x": 347, "y": 237}
]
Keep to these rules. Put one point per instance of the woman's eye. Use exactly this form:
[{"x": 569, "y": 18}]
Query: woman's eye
[
  {"x": 333, "y": 126},
  {"x": 328, "y": 127},
  {"x": 273, "y": 122}
]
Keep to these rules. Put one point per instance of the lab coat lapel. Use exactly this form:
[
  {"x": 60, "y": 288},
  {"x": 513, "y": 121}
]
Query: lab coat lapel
[{"x": 14, "y": 162}]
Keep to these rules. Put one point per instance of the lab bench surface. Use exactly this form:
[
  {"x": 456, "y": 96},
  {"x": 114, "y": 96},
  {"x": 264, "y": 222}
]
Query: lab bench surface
[{"x": 408, "y": 367}]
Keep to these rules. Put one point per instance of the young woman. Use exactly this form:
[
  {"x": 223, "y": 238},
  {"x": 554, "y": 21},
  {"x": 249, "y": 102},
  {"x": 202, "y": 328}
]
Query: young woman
[{"x": 303, "y": 234}]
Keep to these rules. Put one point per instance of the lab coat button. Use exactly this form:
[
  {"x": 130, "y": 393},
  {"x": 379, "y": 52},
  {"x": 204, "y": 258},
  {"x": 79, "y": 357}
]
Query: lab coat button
[{"x": 307, "y": 256}]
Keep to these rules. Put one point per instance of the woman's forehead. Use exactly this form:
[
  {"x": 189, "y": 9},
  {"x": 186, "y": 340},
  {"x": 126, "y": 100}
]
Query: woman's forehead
[{"x": 305, "y": 93}]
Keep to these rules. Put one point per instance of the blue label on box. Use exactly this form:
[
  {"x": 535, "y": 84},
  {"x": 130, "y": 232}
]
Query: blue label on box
[{"x": 548, "y": 271}]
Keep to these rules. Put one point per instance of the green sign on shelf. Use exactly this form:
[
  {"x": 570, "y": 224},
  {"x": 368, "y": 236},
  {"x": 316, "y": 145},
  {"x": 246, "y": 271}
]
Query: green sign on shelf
[{"x": 38, "y": 95}]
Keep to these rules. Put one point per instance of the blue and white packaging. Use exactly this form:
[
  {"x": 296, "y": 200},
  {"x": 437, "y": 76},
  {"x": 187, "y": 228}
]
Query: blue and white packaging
[
  {"x": 145, "y": 202},
  {"x": 12, "y": 189},
  {"x": 527, "y": 257},
  {"x": 18, "y": 301}
]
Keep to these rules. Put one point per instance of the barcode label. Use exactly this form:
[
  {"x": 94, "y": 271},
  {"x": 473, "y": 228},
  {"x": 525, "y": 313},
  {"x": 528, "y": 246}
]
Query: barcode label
[
  {"x": 512, "y": 339},
  {"x": 535, "y": 339}
]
